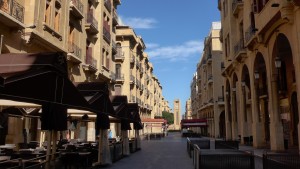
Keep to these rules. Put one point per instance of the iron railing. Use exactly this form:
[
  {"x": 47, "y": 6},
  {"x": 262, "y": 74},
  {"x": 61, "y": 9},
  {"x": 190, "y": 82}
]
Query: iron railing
[
  {"x": 281, "y": 161},
  {"x": 239, "y": 46},
  {"x": 226, "y": 144},
  {"x": 107, "y": 4},
  {"x": 249, "y": 34},
  {"x": 106, "y": 31},
  {"x": 74, "y": 49},
  {"x": 13, "y": 8},
  {"x": 92, "y": 20}
]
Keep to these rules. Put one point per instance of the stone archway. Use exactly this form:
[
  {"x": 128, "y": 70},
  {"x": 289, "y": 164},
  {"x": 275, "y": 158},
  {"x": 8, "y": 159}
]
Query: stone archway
[
  {"x": 245, "y": 109},
  {"x": 262, "y": 115},
  {"x": 222, "y": 125},
  {"x": 285, "y": 75}
]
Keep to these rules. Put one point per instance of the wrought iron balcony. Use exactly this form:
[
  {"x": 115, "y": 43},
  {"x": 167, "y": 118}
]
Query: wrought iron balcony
[
  {"x": 115, "y": 18},
  {"x": 119, "y": 55},
  {"x": 77, "y": 8},
  {"x": 239, "y": 49},
  {"x": 119, "y": 77},
  {"x": 249, "y": 35},
  {"x": 90, "y": 61},
  {"x": 106, "y": 32},
  {"x": 74, "y": 53},
  {"x": 91, "y": 23},
  {"x": 209, "y": 58},
  {"x": 11, "y": 8},
  {"x": 132, "y": 59},
  {"x": 132, "y": 79},
  {"x": 237, "y": 5},
  {"x": 107, "y": 4}
]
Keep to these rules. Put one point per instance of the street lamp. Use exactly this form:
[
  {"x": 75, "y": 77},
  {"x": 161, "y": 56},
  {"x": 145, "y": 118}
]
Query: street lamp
[
  {"x": 277, "y": 62},
  {"x": 256, "y": 75}
]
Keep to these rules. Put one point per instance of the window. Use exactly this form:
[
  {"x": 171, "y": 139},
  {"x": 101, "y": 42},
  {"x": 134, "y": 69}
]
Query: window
[
  {"x": 57, "y": 18},
  {"x": 48, "y": 12},
  {"x": 107, "y": 60}
]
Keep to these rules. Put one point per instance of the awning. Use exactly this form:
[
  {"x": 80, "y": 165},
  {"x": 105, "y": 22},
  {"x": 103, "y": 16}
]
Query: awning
[
  {"x": 193, "y": 123},
  {"x": 41, "y": 78},
  {"x": 120, "y": 106},
  {"x": 133, "y": 109},
  {"x": 97, "y": 95}
]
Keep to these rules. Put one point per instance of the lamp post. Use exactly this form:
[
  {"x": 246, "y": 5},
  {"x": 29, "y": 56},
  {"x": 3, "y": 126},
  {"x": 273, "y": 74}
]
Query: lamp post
[{"x": 278, "y": 66}]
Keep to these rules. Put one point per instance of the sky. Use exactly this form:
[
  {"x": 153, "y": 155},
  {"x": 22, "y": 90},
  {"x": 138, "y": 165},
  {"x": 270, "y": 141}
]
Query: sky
[{"x": 173, "y": 32}]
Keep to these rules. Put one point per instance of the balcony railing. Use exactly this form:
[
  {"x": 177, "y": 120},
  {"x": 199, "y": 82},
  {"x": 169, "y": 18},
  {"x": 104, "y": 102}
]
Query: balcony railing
[
  {"x": 114, "y": 47},
  {"x": 77, "y": 8},
  {"x": 209, "y": 58},
  {"x": 74, "y": 49},
  {"x": 119, "y": 77},
  {"x": 239, "y": 46},
  {"x": 13, "y": 8},
  {"x": 249, "y": 34},
  {"x": 92, "y": 22},
  {"x": 132, "y": 59},
  {"x": 132, "y": 79},
  {"x": 90, "y": 60},
  {"x": 106, "y": 31},
  {"x": 119, "y": 55},
  {"x": 132, "y": 99},
  {"x": 107, "y": 4},
  {"x": 115, "y": 18}
]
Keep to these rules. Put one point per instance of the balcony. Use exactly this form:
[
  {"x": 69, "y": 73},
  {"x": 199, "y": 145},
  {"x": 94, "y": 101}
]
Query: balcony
[
  {"x": 12, "y": 13},
  {"x": 237, "y": 5},
  {"x": 209, "y": 58},
  {"x": 249, "y": 35},
  {"x": 210, "y": 79},
  {"x": 119, "y": 55},
  {"x": 114, "y": 47},
  {"x": 132, "y": 99},
  {"x": 132, "y": 59},
  {"x": 115, "y": 18},
  {"x": 91, "y": 24},
  {"x": 132, "y": 79},
  {"x": 91, "y": 63},
  {"x": 106, "y": 32},
  {"x": 76, "y": 8},
  {"x": 119, "y": 77},
  {"x": 107, "y": 4},
  {"x": 137, "y": 63},
  {"x": 239, "y": 50},
  {"x": 221, "y": 100},
  {"x": 74, "y": 53}
]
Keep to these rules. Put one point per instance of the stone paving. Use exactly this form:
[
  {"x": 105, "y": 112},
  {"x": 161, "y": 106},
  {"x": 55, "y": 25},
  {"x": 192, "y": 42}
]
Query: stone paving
[{"x": 167, "y": 153}]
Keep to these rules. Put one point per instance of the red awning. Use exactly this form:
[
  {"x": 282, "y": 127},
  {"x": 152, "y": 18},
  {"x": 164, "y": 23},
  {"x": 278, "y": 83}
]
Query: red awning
[{"x": 193, "y": 123}]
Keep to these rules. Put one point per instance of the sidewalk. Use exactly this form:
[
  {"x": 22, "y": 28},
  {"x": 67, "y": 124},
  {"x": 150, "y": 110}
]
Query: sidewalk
[{"x": 169, "y": 152}]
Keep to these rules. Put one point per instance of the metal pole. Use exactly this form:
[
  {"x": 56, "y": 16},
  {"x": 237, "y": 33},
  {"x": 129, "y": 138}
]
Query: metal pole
[{"x": 1, "y": 41}]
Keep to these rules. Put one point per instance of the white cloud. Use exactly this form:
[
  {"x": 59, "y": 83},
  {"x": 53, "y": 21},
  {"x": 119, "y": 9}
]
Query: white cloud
[
  {"x": 152, "y": 45},
  {"x": 138, "y": 23},
  {"x": 176, "y": 52}
]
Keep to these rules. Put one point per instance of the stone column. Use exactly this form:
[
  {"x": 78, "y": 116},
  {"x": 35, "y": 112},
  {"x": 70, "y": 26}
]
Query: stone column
[
  {"x": 103, "y": 148},
  {"x": 125, "y": 142},
  {"x": 257, "y": 127},
  {"x": 227, "y": 111},
  {"x": 234, "y": 115},
  {"x": 276, "y": 129},
  {"x": 243, "y": 114}
]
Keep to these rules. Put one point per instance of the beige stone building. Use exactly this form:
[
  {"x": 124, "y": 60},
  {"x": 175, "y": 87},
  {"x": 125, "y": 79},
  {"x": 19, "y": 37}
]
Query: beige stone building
[
  {"x": 82, "y": 30},
  {"x": 188, "y": 109},
  {"x": 177, "y": 114},
  {"x": 165, "y": 106},
  {"x": 208, "y": 86},
  {"x": 137, "y": 80},
  {"x": 261, "y": 49}
]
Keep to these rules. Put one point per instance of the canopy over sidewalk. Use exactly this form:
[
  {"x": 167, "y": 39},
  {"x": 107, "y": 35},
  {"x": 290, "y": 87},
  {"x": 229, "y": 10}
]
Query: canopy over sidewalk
[{"x": 185, "y": 123}]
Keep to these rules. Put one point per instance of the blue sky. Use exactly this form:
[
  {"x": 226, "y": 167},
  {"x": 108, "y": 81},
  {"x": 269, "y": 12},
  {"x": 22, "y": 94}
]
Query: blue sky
[{"x": 173, "y": 32}]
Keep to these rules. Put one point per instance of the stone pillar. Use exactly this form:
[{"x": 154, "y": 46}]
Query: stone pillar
[
  {"x": 227, "y": 111},
  {"x": 48, "y": 137},
  {"x": 234, "y": 116},
  {"x": 243, "y": 115},
  {"x": 103, "y": 148},
  {"x": 216, "y": 123},
  {"x": 276, "y": 129},
  {"x": 257, "y": 127},
  {"x": 125, "y": 139},
  {"x": 54, "y": 139}
]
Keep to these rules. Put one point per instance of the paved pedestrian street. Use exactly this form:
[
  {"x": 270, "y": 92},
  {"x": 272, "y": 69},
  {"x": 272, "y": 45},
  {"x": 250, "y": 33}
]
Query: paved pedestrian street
[{"x": 167, "y": 153}]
